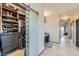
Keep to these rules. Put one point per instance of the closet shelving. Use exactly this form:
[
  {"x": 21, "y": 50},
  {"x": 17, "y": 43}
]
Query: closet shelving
[
  {"x": 9, "y": 35},
  {"x": 10, "y": 16},
  {"x": 9, "y": 19}
]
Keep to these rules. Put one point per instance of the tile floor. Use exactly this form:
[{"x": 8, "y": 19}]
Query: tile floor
[{"x": 64, "y": 48}]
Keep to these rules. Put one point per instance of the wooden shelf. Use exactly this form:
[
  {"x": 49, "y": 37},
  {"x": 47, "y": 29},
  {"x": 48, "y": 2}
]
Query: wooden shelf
[
  {"x": 8, "y": 9},
  {"x": 22, "y": 17},
  {"x": 9, "y": 16}
]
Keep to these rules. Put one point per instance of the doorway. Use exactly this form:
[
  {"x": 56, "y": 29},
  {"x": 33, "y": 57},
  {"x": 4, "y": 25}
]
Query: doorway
[
  {"x": 77, "y": 33},
  {"x": 65, "y": 33}
]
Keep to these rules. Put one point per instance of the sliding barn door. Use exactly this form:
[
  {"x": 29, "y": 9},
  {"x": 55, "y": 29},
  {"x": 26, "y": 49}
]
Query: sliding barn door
[{"x": 33, "y": 34}]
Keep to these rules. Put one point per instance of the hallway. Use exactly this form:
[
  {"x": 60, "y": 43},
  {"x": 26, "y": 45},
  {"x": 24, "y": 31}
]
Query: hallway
[
  {"x": 61, "y": 50},
  {"x": 26, "y": 28}
]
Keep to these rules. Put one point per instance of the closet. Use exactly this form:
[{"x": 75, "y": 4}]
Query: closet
[{"x": 12, "y": 26}]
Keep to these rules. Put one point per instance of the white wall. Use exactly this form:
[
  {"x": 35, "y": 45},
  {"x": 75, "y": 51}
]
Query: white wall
[
  {"x": 40, "y": 43},
  {"x": 41, "y": 29},
  {"x": 52, "y": 27}
]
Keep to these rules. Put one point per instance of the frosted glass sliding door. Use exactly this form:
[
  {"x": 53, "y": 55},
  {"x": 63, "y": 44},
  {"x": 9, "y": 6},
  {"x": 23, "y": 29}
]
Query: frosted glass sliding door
[{"x": 33, "y": 33}]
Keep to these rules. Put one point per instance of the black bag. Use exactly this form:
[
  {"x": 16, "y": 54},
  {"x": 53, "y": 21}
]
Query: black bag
[{"x": 66, "y": 34}]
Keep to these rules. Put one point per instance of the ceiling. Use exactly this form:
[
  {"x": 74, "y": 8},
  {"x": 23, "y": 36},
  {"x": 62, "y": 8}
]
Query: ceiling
[{"x": 60, "y": 8}]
